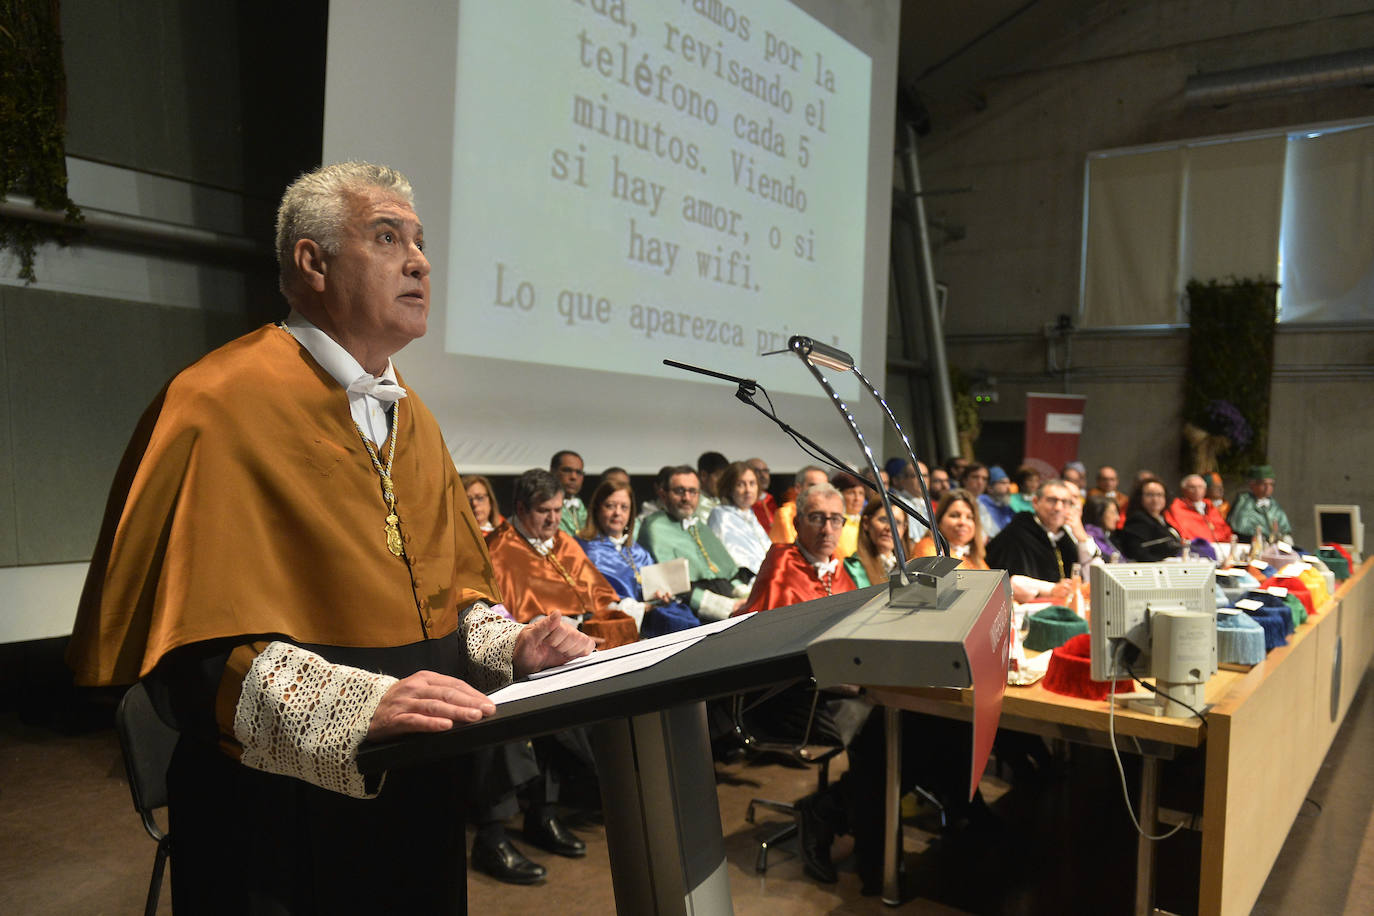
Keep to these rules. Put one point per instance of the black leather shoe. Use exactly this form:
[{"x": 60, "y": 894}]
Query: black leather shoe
[
  {"x": 547, "y": 832},
  {"x": 815, "y": 838},
  {"x": 504, "y": 862}
]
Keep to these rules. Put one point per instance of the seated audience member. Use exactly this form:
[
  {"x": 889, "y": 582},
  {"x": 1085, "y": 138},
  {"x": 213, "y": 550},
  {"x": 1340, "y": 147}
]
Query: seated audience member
[
  {"x": 1193, "y": 516},
  {"x": 1027, "y": 480},
  {"x": 1216, "y": 494},
  {"x": 1258, "y": 510},
  {"x": 791, "y": 574},
  {"x": 939, "y": 484},
  {"x": 734, "y": 521},
  {"x": 955, "y": 467},
  {"x": 717, "y": 588},
  {"x": 1040, "y": 548},
  {"x": 710, "y": 465},
  {"x": 482, "y": 498},
  {"x": 957, "y": 519},
  {"x": 606, "y": 541},
  {"x": 766, "y": 504},
  {"x": 1100, "y": 517},
  {"x": 1147, "y": 536},
  {"x": 540, "y": 568},
  {"x": 876, "y": 555},
  {"x": 997, "y": 501},
  {"x": 1107, "y": 486},
  {"x": 567, "y": 467},
  {"x": 907, "y": 485},
  {"x": 1075, "y": 473},
  {"x": 975, "y": 480},
  {"x": 855, "y": 492},
  {"x": 807, "y": 568},
  {"x": 784, "y": 530}
]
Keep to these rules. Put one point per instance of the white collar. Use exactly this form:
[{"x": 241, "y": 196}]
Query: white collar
[
  {"x": 1201, "y": 506},
  {"x": 332, "y": 357},
  {"x": 1054, "y": 535},
  {"x": 574, "y": 501},
  {"x": 620, "y": 541},
  {"x": 823, "y": 567},
  {"x": 689, "y": 522}
]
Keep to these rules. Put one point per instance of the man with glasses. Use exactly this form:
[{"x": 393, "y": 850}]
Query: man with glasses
[
  {"x": 676, "y": 531},
  {"x": 1041, "y": 547},
  {"x": 808, "y": 568},
  {"x": 568, "y": 468},
  {"x": 791, "y": 574}
]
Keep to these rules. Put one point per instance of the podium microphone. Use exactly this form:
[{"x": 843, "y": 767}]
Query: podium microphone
[{"x": 747, "y": 386}]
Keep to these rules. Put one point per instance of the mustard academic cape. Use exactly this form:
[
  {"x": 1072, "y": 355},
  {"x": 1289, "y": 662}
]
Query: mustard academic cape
[{"x": 247, "y": 506}]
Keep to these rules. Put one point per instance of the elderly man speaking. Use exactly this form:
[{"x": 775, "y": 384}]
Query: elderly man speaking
[{"x": 289, "y": 562}]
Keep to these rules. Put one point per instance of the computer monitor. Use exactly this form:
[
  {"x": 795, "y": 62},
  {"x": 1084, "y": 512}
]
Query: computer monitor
[
  {"x": 1162, "y": 618},
  {"x": 1340, "y": 525}
]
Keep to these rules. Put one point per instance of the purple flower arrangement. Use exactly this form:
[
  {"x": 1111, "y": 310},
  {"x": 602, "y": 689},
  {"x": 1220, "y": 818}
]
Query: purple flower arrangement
[{"x": 1227, "y": 420}]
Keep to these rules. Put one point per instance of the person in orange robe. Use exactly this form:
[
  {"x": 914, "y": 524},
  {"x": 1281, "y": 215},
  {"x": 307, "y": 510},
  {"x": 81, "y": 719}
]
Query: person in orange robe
[
  {"x": 809, "y": 568},
  {"x": 541, "y": 570},
  {"x": 289, "y": 562},
  {"x": 1193, "y": 515},
  {"x": 791, "y": 574}
]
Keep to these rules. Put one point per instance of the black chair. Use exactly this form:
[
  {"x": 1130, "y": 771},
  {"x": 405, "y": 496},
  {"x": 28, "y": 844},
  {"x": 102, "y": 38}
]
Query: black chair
[
  {"x": 802, "y": 750},
  {"x": 147, "y": 743}
]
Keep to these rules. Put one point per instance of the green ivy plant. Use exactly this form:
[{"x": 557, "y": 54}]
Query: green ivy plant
[
  {"x": 1231, "y": 359},
  {"x": 32, "y": 114}
]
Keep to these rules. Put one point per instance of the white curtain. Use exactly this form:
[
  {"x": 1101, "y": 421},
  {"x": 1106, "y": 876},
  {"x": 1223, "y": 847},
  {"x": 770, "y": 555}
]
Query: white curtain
[
  {"x": 1328, "y": 227},
  {"x": 1234, "y": 199},
  {"x": 1130, "y": 271}
]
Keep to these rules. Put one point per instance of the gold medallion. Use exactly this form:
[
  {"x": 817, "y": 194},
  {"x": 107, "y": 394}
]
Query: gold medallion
[{"x": 393, "y": 535}]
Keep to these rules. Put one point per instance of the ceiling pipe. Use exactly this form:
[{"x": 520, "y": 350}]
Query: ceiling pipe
[{"x": 1329, "y": 71}]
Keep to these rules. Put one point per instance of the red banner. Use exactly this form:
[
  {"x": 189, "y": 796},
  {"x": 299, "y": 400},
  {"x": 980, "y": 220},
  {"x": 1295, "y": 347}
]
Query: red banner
[{"x": 1053, "y": 425}]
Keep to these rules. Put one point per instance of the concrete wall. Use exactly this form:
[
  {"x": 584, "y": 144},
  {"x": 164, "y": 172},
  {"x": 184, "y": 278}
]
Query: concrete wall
[{"x": 1069, "y": 78}]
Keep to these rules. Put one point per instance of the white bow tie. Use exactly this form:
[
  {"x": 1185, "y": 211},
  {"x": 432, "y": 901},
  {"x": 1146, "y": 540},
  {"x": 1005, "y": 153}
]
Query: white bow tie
[
  {"x": 382, "y": 389},
  {"x": 1262, "y": 503},
  {"x": 826, "y": 568}
]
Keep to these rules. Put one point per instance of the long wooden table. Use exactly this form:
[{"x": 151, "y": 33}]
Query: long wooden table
[{"x": 1268, "y": 732}]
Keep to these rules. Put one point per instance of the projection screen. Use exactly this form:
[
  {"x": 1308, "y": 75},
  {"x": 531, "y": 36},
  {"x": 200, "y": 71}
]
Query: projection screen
[{"x": 606, "y": 184}]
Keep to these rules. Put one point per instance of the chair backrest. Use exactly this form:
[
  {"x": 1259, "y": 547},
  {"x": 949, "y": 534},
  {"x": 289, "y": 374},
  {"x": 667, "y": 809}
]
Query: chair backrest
[
  {"x": 802, "y": 747},
  {"x": 147, "y": 743}
]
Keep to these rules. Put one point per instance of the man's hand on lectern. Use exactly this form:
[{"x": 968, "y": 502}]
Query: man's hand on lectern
[{"x": 549, "y": 641}]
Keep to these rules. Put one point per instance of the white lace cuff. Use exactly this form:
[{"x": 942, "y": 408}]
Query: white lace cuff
[
  {"x": 633, "y": 607},
  {"x": 490, "y": 639},
  {"x": 715, "y": 607},
  {"x": 299, "y": 715}
]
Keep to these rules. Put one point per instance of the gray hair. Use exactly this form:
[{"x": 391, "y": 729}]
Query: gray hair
[
  {"x": 316, "y": 206},
  {"x": 816, "y": 489},
  {"x": 1184, "y": 482}
]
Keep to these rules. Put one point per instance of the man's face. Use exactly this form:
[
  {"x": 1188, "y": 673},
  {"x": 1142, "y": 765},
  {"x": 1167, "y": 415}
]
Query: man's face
[
  {"x": 680, "y": 498},
  {"x": 541, "y": 519},
  {"x": 375, "y": 289},
  {"x": 1152, "y": 498},
  {"x": 761, "y": 472},
  {"x": 811, "y": 479},
  {"x": 1073, "y": 476},
  {"x": 1052, "y": 506},
  {"x": 570, "y": 474},
  {"x": 1194, "y": 489},
  {"x": 1262, "y": 489},
  {"x": 1106, "y": 480},
  {"x": 1002, "y": 489},
  {"x": 819, "y": 523},
  {"x": 906, "y": 479},
  {"x": 939, "y": 483},
  {"x": 976, "y": 481}
]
